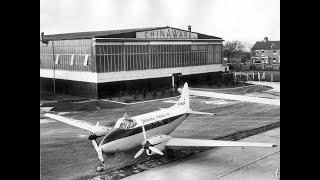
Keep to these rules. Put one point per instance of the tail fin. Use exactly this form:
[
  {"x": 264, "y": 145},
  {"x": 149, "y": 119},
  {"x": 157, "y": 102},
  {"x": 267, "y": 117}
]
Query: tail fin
[{"x": 184, "y": 99}]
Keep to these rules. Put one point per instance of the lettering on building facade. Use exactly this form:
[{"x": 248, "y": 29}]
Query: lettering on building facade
[{"x": 168, "y": 33}]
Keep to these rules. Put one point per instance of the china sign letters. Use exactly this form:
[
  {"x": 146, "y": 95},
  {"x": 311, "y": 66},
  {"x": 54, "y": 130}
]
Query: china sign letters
[{"x": 167, "y": 33}]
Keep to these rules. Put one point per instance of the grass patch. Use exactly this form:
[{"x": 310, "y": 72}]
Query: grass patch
[
  {"x": 63, "y": 106},
  {"x": 49, "y": 96},
  {"x": 223, "y": 86},
  {"x": 146, "y": 96}
]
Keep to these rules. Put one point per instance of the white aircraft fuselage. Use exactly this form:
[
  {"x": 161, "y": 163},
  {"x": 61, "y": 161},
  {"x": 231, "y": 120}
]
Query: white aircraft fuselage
[{"x": 166, "y": 121}]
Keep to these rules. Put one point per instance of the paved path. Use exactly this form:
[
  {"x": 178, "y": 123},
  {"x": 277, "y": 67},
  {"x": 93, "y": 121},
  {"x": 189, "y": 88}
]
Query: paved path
[{"x": 224, "y": 163}]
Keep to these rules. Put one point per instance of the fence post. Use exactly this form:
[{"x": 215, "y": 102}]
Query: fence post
[
  {"x": 259, "y": 75},
  {"x": 271, "y": 77},
  {"x": 252, "y": 75}
]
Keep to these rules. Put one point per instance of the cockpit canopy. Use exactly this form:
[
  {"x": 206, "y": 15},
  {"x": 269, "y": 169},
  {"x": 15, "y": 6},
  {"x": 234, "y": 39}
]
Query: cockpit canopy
[{"x": 125, "y": 123}]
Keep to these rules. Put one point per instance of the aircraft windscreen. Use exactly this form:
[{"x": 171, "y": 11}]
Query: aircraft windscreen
[{"x": 127, "y": 123}]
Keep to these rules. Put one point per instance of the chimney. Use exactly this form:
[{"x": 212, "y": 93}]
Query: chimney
[
  {"x": 266, "y": 39},
  {"x": 189, "y": 28},
  {"x": 42, "y": 35}
]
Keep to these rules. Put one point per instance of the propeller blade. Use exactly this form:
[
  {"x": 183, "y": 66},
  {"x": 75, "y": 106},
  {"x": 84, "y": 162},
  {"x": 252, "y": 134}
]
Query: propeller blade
[
  {"x": 138, "y": 153},
  {"x": 144, "y": 134},
  {"x": 98, "y": 149},
  {"x": 155, "y": 150}
]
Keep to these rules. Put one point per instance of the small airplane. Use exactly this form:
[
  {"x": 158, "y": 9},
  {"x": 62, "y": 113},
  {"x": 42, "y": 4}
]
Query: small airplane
[{"x": 149, "y": 131}]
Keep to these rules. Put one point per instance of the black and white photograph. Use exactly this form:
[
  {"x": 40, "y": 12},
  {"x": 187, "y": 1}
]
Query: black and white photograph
[{"x": 159, "y": 89}]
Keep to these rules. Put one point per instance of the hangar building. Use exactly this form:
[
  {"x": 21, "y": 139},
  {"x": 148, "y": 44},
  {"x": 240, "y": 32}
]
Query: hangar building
[{"x": 105, "y": 63}]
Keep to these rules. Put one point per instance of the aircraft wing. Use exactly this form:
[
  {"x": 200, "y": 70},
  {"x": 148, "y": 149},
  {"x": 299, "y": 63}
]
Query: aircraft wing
[
  {"x": 213, "y": 143},
  {"x": 77, "y": 123},
  {"x": 200, "y": 113}
]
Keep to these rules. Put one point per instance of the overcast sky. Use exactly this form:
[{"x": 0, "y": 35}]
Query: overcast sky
[{"x": 244, "y": 20}]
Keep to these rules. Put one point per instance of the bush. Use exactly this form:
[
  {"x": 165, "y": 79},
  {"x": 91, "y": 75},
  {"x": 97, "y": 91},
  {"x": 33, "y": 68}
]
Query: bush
[
  {"x": 219, "y": 84},
  {"x": 121, "y": 93},
  {"x": 144, "y": 94},
  {"x": 163, "y": 92},
  {"x": 127, "y": 100},
  {"x": 135, "y": 95},
  {"x": 154, "y": 94}
]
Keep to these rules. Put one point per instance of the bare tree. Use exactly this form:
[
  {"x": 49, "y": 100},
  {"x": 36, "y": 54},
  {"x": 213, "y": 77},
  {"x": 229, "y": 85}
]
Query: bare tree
[{"x": 232, "y": 49}]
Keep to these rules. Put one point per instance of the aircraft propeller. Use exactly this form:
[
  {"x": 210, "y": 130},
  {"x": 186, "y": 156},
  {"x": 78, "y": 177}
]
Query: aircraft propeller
[
  {"x": 93, "y": 136},
  {"x": 146, "y": 145},
  {"x": 98, "y": 149}
]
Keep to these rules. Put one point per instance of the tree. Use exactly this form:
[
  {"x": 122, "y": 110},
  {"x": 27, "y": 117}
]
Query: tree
[
  {"x": 233, "y": 49},
  {"x": 245, "y": 56}
]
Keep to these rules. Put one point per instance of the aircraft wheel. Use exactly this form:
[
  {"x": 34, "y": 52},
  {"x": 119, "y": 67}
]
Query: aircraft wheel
[{"x": 99, "y": 167}]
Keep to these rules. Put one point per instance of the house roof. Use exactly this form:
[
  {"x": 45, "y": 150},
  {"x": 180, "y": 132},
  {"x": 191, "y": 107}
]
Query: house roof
[
  {"x": 123, "y": 33},
  {"x": 269, "y": 45}
]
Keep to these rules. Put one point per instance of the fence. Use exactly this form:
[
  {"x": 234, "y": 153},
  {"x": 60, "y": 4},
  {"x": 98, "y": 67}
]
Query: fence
[
  {"x": 257, "y": 76},
  {"x": 254, "y": 67}
]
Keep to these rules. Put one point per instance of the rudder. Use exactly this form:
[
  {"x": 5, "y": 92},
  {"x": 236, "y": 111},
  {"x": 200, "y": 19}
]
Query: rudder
[{"x": 184, "y": 99}]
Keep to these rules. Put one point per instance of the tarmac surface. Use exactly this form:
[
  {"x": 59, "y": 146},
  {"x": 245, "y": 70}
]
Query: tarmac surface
[
  {"x": 224, "y": 163},
  {"x": 66, "y": 153}
]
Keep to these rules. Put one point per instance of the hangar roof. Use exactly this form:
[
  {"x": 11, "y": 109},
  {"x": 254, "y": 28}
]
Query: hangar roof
[{"x": 122, "y": 33}]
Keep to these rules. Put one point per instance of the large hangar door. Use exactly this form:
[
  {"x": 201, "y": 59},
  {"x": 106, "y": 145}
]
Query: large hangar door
[{"x": 176, "y": 80}]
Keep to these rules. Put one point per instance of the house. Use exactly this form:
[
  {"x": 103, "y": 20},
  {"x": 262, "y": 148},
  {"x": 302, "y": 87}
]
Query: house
[{"x": 266, "y": 51}]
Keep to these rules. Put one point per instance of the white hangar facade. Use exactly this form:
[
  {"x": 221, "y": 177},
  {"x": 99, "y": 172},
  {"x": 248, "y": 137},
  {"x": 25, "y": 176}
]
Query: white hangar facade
[{"x": 106, "y": 63}]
